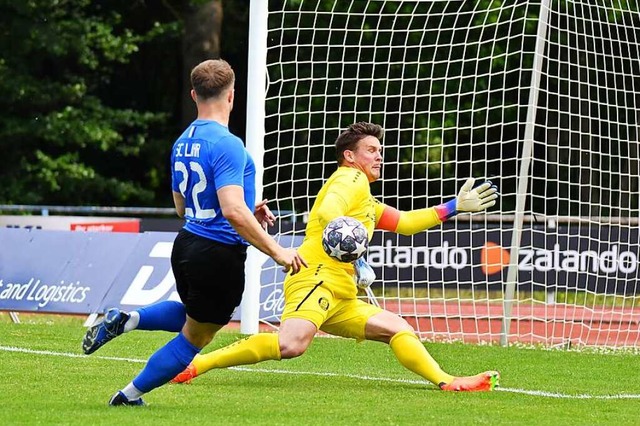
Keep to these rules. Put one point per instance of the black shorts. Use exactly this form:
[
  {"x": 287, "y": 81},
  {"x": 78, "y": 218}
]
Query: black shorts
[{"x": 209, "y": 276}]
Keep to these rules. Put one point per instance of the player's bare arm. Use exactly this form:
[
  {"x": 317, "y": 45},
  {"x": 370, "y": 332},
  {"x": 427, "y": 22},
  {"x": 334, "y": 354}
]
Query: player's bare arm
[
  {"x": 178, "y": 201},
  {"x": 244, "y": 222}
]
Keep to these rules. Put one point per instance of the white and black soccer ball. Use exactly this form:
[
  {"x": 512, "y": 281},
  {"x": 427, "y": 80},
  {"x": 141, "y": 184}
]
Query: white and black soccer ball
[{"x": 345, "y": 239}]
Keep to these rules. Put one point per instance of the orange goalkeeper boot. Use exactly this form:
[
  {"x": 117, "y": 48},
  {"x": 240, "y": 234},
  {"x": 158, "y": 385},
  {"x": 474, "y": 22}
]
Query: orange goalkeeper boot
[
  {"x": 186, "y": 376},
  {"x": 483, "y": 382}
]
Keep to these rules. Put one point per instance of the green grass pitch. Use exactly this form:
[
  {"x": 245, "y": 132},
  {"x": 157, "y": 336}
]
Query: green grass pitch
[{"x": 46, "y": 380}]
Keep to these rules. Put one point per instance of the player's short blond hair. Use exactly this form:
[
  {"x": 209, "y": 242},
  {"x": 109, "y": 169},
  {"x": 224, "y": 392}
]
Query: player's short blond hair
[{"x": 210, "y": 78}]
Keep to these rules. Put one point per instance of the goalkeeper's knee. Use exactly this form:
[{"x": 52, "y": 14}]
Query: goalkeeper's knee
[{"x": 292, "y": 348}]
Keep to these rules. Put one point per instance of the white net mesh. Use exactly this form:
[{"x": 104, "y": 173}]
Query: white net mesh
[{"x": 541, "y": 99}]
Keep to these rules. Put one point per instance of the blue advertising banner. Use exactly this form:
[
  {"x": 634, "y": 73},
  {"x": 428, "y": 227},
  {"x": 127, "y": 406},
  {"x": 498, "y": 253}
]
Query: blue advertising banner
[
  {"x": 78, "y": 272},
  {"x": 145, "y": 277},
  {"x": 59, "y": 271},
  {"x": 84, "y": 273}
]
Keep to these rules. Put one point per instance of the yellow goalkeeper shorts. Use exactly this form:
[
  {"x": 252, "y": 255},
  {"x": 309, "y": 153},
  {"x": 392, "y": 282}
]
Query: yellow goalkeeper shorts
[{"x": 313, "y": 300}]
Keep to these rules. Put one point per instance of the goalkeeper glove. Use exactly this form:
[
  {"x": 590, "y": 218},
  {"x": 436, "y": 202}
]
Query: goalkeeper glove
[
  {"x": 364, "y": 274},
  {"x": 476, "y": 199}
]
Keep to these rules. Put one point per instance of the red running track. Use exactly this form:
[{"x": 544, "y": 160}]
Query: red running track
[{"x": 557, "y": 324}]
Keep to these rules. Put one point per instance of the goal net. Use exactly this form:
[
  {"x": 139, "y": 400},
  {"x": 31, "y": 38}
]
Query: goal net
[{"x": 543, "y": 98}]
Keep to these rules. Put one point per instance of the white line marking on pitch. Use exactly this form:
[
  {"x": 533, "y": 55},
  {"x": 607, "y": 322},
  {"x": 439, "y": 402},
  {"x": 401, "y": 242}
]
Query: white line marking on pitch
[{"x": 311, "y": 373}]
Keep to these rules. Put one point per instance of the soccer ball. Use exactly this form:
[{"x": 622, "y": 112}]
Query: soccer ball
[{"x": 345, "y": 239}]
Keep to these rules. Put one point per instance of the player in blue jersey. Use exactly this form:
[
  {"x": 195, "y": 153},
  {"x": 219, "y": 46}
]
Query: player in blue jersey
[{"x": 213, "y": 182}]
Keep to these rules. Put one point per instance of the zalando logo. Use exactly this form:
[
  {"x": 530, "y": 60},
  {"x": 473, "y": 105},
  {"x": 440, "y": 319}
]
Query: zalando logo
[
  {"x": 494, "y": 258},
  {"x": 441, "y": 257},
  {"x": 608, "y": 262}
]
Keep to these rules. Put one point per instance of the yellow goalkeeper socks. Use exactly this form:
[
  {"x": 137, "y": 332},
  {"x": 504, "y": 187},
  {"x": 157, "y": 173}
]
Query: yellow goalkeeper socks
[
  {"x": 414, "y": 356},
  {"x": 253, "y": 349}
]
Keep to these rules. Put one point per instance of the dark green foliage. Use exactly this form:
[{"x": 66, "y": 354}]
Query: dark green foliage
[{"x": 65, "y": 138}]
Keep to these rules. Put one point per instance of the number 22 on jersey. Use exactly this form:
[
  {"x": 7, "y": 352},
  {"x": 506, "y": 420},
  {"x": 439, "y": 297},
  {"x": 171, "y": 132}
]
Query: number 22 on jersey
[{"x": 201, "y": 184}]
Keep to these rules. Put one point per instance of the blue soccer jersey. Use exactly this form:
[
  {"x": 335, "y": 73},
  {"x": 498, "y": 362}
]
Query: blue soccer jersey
[{"x": 205, "y": 158}]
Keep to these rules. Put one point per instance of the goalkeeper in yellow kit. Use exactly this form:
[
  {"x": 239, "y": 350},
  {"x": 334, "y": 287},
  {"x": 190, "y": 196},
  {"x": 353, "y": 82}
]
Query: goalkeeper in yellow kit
[{"x": 323, "y": 296}]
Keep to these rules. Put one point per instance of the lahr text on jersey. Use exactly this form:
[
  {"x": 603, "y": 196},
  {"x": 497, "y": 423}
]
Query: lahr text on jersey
[{"x": 186, "y": 149}]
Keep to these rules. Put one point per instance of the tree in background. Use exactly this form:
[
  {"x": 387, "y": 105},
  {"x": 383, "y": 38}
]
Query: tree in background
[
  {"x": 91, "y": 94},
  {"x": 56, "y": 132}
]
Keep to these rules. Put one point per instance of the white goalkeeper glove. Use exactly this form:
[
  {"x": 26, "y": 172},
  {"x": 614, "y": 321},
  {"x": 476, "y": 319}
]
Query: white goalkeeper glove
[
  {"x": 364, "y": 275},
  {"x": 477, "y": 199}
]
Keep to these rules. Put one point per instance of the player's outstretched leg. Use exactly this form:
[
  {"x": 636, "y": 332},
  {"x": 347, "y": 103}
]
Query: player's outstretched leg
[
  {"x": 165, "y": 363},
  {"x": 483, "y": 382},
  {"x": 98, "y": 335},
  {"x": 167, "y": 315},
  {"x": 250, "y": 350},
  {"x": 413, "y": 355}
]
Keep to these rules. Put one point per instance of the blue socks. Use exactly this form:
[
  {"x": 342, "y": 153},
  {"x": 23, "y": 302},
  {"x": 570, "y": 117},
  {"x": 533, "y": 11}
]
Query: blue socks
[
  {"x": 167, "y": 316},
  {"x": 166, "y": 363},
  {"x": 170, "y": 359}
]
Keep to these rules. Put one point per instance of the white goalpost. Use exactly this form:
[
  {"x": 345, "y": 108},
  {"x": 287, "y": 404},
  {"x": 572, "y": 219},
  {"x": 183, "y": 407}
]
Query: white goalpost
[{"x": 541, "y": 97}]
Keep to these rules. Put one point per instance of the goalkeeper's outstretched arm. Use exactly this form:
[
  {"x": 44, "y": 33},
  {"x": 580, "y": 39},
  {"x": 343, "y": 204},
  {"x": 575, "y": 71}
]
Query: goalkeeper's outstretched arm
[{"x": 469, "y": 199}]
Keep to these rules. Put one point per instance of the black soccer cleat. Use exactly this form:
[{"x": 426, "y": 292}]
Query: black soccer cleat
[
  {"x": 119, "y": 400},
  {"x": 98, "y": 335}
]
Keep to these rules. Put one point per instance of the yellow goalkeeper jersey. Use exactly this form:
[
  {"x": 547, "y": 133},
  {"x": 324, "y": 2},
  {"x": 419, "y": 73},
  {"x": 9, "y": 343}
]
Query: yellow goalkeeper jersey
[{"x": 346, "y": 193}]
